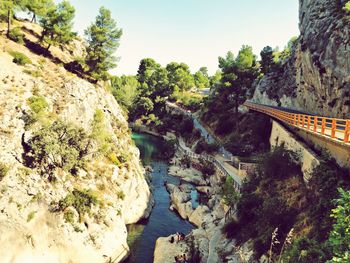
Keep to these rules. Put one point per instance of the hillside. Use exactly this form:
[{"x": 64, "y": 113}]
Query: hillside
[
  {"x": 71, "y": 177},
  {"x": 316, "y": 77}
]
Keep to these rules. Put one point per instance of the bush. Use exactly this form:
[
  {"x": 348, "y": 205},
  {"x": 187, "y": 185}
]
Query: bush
[
  {"x": 280, "y": 163},
  {"x": 82, "y": 201},
  {"x": 30, "y": 216},
  {"x": 57, "y": 145},
  {"x": 203, "y": 146},
  {"x": 339, "y": 238},
  {"x": 69, "y": 216},
  {"x": 207, "y": 168},
  {"x": 305, "y": 250},
  {"x": 16, "y": 35},
  {"x": 346, "y": 7},
  {"x": 19, "y": 58},
  {"x": 4, "y": 169},
  {"x": 37, "y": 104},
  {"x": 121, "y": 195}
]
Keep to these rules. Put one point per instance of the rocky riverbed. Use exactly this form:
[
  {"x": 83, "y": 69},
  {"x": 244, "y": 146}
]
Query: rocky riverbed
[{"x": 206, "y": 243}]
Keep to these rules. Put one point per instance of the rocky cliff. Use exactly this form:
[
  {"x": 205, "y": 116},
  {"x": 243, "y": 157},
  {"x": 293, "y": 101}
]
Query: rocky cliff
[
  {"x": 316, "y": 77},
  {"x": 51, "y": 214}
]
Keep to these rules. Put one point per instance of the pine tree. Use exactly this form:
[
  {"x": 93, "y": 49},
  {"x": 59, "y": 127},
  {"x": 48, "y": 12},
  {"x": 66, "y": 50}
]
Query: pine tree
[
  {"x": 57, "y": 24},
  {"x": 7, "y": 8},
  {"x": 103, "y": 40},
  {"x": 39, "y": 8}
]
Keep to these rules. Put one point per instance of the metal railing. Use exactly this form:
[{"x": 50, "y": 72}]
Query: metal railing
[
  {"x": 218, "y": 165},
  {"x": 332, "y": 128}
]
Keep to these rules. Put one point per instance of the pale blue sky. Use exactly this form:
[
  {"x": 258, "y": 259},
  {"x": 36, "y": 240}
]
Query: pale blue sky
[{"x": 192, "y": 31}]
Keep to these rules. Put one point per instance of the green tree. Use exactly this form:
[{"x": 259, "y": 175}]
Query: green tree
[
  {"x": 201, "y": 80},
  {"x": 180, "y": 77},
  {"x": 144, "y": 106},
  {"x": 238, "y": 75},
  {"x": 7, "y": 9},
  {"x": 103, "y": 40},
  {"x": 57, "y": 24},
  {"x": 39, "y": 8},
  {"x": 266, "y": 59},
  {"x": 125, "y": 90},
  {"x": 340, "y": 235}
]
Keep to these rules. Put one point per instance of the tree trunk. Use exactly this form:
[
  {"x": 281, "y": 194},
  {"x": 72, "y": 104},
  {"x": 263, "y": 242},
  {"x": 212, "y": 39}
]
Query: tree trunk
[
  {"x": 8, "y": 22},
  {"x": 33, "y": 18},
  {"x": 48, "y": 47}
]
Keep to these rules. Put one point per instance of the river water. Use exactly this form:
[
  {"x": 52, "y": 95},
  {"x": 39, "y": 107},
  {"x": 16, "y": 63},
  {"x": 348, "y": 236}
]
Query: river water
[{"x": 162, "y": 222}]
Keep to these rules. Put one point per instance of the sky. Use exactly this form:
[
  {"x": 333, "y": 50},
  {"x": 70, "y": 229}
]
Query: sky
[{"x": 195, "y": 32}]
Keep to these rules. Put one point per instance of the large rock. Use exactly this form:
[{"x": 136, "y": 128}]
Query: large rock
[
  {"x": 165, "y": 252},
  {"x": 198, "y": 215},
  {"x": 316, "y": 78}
]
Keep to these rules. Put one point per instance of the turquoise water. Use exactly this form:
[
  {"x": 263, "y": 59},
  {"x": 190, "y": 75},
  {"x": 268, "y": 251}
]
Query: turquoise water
[{"x": 162, "y": 222}]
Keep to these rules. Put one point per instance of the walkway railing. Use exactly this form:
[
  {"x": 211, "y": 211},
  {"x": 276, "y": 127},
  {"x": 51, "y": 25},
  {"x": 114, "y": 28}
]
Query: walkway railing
[
  {"x": 332, "y": 128},
  {"x": 218, "y": 165}
]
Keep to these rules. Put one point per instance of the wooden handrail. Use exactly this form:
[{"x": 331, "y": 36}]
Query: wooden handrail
[{"x": 333, "y": 128}]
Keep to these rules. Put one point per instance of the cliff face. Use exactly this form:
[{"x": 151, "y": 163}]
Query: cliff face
[
  {"x": 32, "y": 229},
  {"x": 316, "y": 78}
]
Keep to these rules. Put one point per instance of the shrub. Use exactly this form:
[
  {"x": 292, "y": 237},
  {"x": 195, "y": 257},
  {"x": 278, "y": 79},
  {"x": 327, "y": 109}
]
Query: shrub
[
  {"x": 82, "y": 201},
  {"x": 30, "y": 216},
  {"x": 16, "y": 35},
  {"x": 57, "y": 145},
  {"x": 280, "y": 163},
  {"x": 339, "y": 238},
  {"x": 3, "y": 170},
  {"x": 229, "y": 195},
  {"x": 203, "y": 146},
  {"x": 37, "y": 104},
  {"x": 121, "y": 195},
  {"x": 69, "y": 216},
  {"x": 207, "y": 168},
  {"x": 19, "y": 58},
  {"x": 346, "y": 7}
]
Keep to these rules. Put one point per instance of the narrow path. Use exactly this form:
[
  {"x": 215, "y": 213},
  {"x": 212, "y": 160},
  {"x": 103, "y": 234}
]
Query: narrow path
[{"x": 332, "y": 129}]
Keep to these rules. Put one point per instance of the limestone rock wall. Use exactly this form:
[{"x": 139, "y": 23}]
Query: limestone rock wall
[
  {"x": 316, "y": 78},
  {"x": 29, "y": 230},
  {"x": 308, "y": 160}
]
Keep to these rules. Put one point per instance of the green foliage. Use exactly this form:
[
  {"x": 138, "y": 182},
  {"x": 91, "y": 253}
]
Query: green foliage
[
  {"x": 180, "y": 77},
  {"x": 4, "y": 169},
  {"x": 16, "y": 35},
  {"x": 262, "y": 211},
  {"x": 125, "y": 90},
  {"x": 267, "y": 61},
  {"x": 229, "y": 195},
  {"x": 7, "y": 9},
  {"x": 69, "y": 216},
  {"x": 82, "y": 201},
  {"x": 279, "y": 163},
  {"x": 39, "y": 8},
  {"x": 339, "y": 238},
  {"x": 57, "y": 145},
  {"x": 306, "y": 250},
  {"x": 207, "y": 168},
  {"x": 203, "y": 146},
  {"x": 31, "y": 216},
  {"x": 250, "y": 137},
  {"x": 346, "y": 7},
  {"x": 37, "y": 104},
  {"x": 19, "y": 58},
  {"x": 103, "y": 40},
  {"x": 58, "y": 24},
  {"x": 121, "y": 195},
  {"x": 143, "y": 106}
]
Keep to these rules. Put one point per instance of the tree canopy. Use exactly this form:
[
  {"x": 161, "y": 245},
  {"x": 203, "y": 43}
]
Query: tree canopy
[
  {"x": 58, "y": 24},
  {"x": 103, "y": 40}
]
